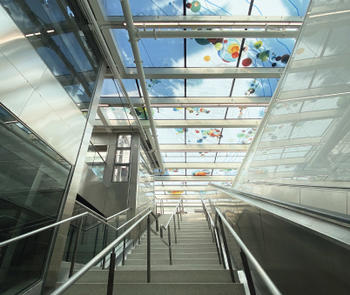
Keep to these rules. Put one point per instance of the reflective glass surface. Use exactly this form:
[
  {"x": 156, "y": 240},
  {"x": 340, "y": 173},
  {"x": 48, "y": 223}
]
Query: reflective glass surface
[
  {"x": 58, "y": 32},
  {"x": 33, "y": 180}
]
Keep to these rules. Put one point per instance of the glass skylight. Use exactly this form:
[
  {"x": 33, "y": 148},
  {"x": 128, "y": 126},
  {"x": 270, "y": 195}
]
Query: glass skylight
[{"x": 172, "y": 98}]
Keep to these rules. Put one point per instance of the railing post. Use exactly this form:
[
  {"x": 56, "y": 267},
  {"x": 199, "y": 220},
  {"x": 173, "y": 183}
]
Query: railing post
[
  {"x": 217, "y": 243},
  {"x": 139, "y": 234},
  {"x": 148, "y": 249},
  {"x": 161, "y": 232},
  {"x": 247, "y": 272},
  {"x": 175, "y": 236},
  {"x": 123, "y": 261},
  {"x": 71, "y": 269},
  {"x": 178, "y": 217},
  {"x": 226, "y": 250},
  {"x": 219, "y": 240},
  {"x": 110, "y": 283},
  {"x": 105, "y": 237},
  {"x": 169, "y": 243}
]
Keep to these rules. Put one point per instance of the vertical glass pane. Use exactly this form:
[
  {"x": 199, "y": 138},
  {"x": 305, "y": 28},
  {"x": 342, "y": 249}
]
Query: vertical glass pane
[
  {"x": 32, "y": 183},
  {"x": 123, "y": 156},
  {"x": 124, "y": 140},
  {"x": 121, "y": 174}
]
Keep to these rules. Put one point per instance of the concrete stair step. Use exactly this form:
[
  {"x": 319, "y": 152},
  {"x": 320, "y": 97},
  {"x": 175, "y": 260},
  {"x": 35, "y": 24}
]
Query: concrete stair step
[
  {"x": 175, "y": 255},
  {"x": 166, "y": 250},
  {"x": 165, "y": 276},
  {"x": 180, "y": 240},
  {"x": 158, "y": 289},
  {"x": 172, "y": 267},
  {"x": 159, "y": 261},
  {"x": 192, "y": 245}
]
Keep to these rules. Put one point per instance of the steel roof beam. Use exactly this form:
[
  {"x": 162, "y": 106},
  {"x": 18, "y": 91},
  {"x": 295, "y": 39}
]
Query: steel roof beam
[
  {"x": 193, "y": 178},
  {"x": 272, "y": 33},
  {"x": 203, "y": 73},
  {"x": 189, "y": 21},
  {"x": 204, "y": 147},
  {"x": 202, "y": 165},
  {"x": 182, "y": 188},
  {"x": 115, "y": 101},
  {"x": 229, "y": 123}
]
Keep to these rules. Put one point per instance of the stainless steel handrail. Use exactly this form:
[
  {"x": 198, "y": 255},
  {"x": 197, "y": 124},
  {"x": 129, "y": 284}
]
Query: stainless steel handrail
[
  {"x": 99, "y": 257},
  {"x": 131, "y": 219},
  {"x": 44, "y": 228},
  {"x": 101, "y": 216},
  {"x": 247, "y": 256},
  {"x": 178, "y": 213},
  {"x": 31, "y": 233}
]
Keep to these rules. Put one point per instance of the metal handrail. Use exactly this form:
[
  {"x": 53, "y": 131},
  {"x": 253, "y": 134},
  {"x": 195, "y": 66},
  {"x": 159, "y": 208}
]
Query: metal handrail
[
  {"x": 103, "y": 254},
  {"x": 178, "y": 213},
  {"x": 31, "y": 233},
  {"x": 246, "y": 255},
  {"x": 99, "y": 215},
  {"x": 131, "y": 219},
  {"x": 44, "y": 228}
]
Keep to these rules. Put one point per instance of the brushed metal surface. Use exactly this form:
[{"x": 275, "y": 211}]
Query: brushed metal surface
[{"x": 297, "y": 260}]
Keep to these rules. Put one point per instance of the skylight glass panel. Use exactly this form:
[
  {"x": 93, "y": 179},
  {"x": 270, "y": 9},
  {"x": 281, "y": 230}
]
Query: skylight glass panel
[
  {"x": 288, "y": 107},
  {"x": 246, "y": 112},
  {"x": 109, "y": 88},
  {"x": 321, "y": 104},
  {"x": 175, "y": 172},
  {"x": 274, "y": 132},
  {"x": 312, "y": 128},
  {"x": 200, "y": 157},
  {"x": 225, "y": 172},
  {"x": 194, "y": 183},
  {"x": 162, "y": 52},
  {"x": 131, "y": 88},
  {"x": 254, "y": 87},
  {"x": 198, "y": 172},
  {"x": 144, "y": 7},
  {"x": 237, "y": 135},
  {"x": 164, "y": 87},
  {"x": 269, "y": 52},
  {"x": 214, "y": 52},
  {"x": 217, "y": 7},
  {"x": 205, "y": 113},
  {"x": 173, "y": 157},
  {"x": 203, "y": 136},
  {"x": 117, "y": 113},
  {"x": 167, "y": 183},
  {"x": 169, "y": 113},
  {"x": 122, "y": 42},
  {"x": 230, "y": 157},
  {"x": 171, "y": 135},
  {"x": 280, "y": 7},
  {"x": 209, "y": 87}
]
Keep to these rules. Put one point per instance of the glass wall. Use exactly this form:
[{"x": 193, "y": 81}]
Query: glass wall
[
  {"x": 33, "y": 178},
  {"x": 60, "y": 35},
  {"x": 145, "y": 182}
]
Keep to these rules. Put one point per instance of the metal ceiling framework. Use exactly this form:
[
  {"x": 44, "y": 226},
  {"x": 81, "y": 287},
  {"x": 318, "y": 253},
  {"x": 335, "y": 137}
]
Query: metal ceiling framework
[{"x": 185, "y": 27}]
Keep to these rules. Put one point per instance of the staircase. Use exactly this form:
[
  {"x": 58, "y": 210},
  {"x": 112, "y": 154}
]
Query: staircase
[{"x": 195, "y": 269}]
